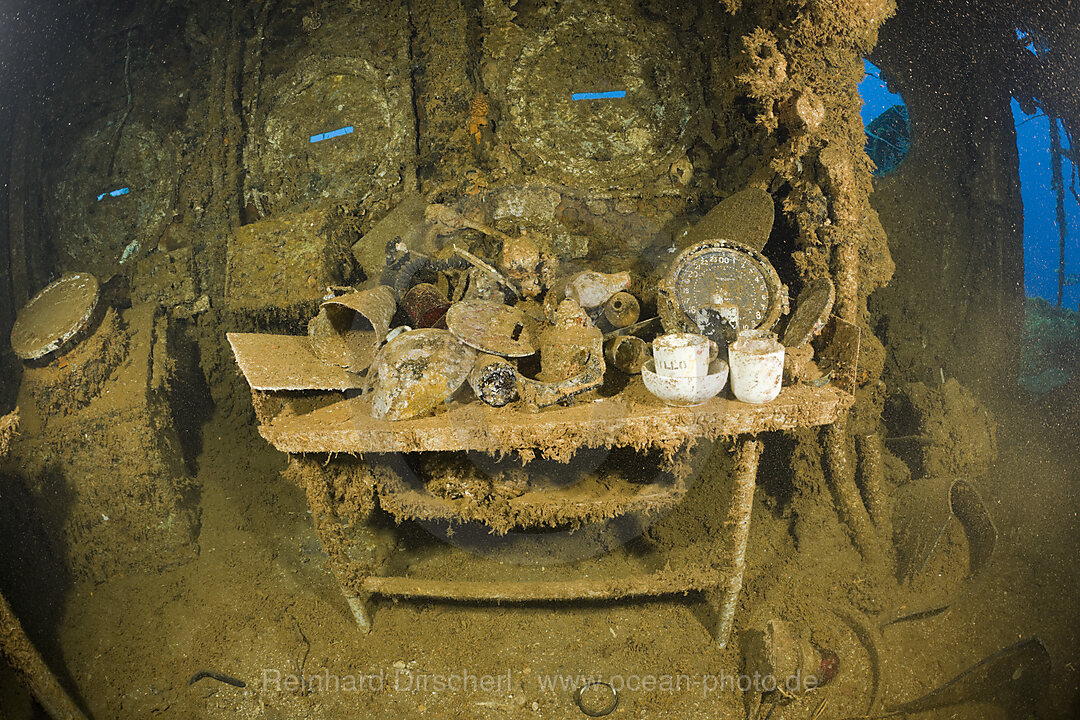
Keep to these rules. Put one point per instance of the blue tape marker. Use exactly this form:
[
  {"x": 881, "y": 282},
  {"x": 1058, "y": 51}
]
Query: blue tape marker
[
  {"x": 114, "y": 193},
  {"x": 613, "y": 94},
  {"x": 332, "y": 134}
]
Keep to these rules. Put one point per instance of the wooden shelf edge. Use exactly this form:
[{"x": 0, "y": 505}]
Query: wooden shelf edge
[
  {"x": 414, "y": 505},
  {"x": 556, "y": 434}
]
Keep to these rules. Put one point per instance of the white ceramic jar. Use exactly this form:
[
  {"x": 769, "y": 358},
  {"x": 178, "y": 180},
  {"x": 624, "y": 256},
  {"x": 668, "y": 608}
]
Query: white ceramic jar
[
  {"x": 683, "y": 355},
  {"x": 757, "y": 367}
]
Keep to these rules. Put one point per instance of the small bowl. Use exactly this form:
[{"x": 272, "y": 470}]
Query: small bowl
[{"x": 685, "y": 391}]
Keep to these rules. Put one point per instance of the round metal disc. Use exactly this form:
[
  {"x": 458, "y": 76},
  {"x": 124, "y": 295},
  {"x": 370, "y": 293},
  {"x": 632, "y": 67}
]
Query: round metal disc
[
  {"x": 811, "y": 312},
  {"x": 55, "y": 315},
  {"x": 718, "y": 272},
  {"x": 492, "y": 327}
]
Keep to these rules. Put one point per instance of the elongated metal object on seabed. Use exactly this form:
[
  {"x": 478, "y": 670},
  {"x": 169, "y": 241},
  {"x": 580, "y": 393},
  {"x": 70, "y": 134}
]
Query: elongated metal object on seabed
[{"x": 24, "y": 657}]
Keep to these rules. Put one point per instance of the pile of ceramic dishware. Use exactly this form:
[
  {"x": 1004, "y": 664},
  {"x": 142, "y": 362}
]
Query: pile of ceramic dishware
[{"x": 461, "y": 328}]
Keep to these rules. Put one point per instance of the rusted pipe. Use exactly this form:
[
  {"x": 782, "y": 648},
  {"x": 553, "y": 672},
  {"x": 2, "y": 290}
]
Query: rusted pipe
[
  {"x": 28, "y": 663},
  {"x": 872, "y": 474},
  {"x": 847, "y": 279},
  {"x": 659, "y": 583},
  {"x": 841, "y": 472}
]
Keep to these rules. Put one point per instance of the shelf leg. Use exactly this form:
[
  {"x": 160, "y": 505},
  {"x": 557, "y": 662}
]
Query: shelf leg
[
  {"x": 747, "y": 453},
  {"x": 361, "y": 610},
  {"x": 31, "y": 668},
  {"x": 351, "y": 548},
  {"x": 872, "y": 465}
]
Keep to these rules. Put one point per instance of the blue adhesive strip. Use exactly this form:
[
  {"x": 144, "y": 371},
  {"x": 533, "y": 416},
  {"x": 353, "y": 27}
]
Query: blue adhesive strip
[
  {"x": 599, "y": 95},
  {"x": 332, "y": 134},
  {"x": 113, "y": 193}
]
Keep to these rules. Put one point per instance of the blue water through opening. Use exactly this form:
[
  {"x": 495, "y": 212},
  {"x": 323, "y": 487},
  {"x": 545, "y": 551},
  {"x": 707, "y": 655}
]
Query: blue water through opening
[
  {"x": 875, "y": 94},
  {"x": 884, "y": 115},
  {"x": 1041, "y": 241}
]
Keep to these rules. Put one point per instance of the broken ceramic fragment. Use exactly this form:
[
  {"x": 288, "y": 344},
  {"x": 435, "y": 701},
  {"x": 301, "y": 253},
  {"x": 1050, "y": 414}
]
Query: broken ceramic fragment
[{"x": 591, "y": 289}]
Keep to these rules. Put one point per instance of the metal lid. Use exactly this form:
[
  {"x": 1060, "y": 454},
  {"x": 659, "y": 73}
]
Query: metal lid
[
  {"x": 811, "y": 311},
  {"x": 492, "y": 328},
  {"x": 55, "y": 315}
]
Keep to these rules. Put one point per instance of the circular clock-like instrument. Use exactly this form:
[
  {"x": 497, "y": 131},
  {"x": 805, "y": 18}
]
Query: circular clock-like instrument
[{"x": 722, "y": 272}]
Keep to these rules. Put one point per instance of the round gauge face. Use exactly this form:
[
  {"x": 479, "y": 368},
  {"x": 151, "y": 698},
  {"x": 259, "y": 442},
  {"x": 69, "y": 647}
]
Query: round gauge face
[{"x": 724, "y": 276}]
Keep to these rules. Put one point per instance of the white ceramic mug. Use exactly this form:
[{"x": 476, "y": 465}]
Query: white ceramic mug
[
  {"x": 757, "y": 367},
  {"x": 683, "y": 355}
]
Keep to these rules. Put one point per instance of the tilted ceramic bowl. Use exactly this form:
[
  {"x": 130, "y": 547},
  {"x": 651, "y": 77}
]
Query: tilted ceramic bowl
[{"x": 685, "y": 391}]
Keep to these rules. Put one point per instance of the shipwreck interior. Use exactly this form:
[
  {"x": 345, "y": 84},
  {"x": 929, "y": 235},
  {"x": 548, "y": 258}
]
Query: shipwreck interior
[{"x": 342, "y": 379}]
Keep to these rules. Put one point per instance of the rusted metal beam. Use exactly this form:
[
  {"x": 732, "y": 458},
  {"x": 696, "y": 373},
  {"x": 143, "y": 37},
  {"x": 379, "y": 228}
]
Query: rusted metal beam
[{"x": 667, "y": 582}]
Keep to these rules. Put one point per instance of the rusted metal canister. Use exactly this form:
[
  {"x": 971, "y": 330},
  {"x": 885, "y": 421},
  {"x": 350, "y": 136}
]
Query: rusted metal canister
[
  {"x": 425, "y": 306},
  {"x": 350, "y": 328},
  {"x": 622, "y": 310},
  {"x": 494, "y": 380},
  {"x": 628, "y": 353}
]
